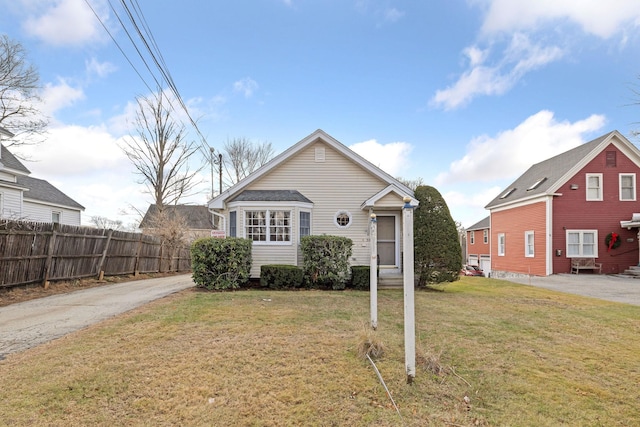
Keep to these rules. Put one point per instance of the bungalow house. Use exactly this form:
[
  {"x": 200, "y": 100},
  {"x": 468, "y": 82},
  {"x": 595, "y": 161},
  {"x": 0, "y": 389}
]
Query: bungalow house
[
  {"x": 477, "y": 248},
  {"x": 317, "y": 186},
  {"x": 23, "y": 197},
  {"x": 570, "y": 213},
  {"x": 197, "y": 219}
]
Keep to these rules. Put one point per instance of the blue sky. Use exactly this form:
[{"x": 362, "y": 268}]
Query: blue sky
[{"x": 463, "y": 94}]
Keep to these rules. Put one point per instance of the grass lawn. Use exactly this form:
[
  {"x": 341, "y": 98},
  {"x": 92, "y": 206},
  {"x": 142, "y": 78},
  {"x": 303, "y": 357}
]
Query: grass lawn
[{"x": 522, "y": 356}]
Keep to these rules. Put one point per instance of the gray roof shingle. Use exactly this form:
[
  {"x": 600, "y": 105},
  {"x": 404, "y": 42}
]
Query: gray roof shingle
[
  {"x": 10, "y": 161},
  {"x": 270, "y": 196},
  {"x": 42, "y": 191},
  {"x": 550, "y": 171},
  {"x": 196, "y": 217},
  {"x": 480, "y": 225}
]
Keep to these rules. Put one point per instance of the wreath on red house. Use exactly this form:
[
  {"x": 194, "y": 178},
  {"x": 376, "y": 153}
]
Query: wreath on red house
[{"x": 612, "y": 241}]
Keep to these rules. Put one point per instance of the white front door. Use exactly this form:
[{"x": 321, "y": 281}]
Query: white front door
[{"x": 388, "y": 248}]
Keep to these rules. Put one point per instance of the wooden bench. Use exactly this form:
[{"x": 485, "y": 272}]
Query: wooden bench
[{"x": 578, "y": 264}]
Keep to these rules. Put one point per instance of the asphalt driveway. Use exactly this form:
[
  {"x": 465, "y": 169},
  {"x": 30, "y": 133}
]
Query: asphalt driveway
[
  {"x": 31, "y": 323},
  {"x": 602, "y": 286}
]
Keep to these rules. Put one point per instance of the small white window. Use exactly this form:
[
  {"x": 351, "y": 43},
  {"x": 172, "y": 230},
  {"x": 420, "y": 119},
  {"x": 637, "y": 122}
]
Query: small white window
[
  {"x": 501, "y": 244},
  {"x": 582, "y": 243},
  {"x": 529, "y": 241},
  {"x": 594, "y": 186},
  {"x": 485, "y": 236},
  {"x": 628, "y": 186},
  {"x": 55, "y": 217},
  {"x": 472, "y": 237},
  {"x": 305, "y": 223},
  {"x": 342, "y": 219}
]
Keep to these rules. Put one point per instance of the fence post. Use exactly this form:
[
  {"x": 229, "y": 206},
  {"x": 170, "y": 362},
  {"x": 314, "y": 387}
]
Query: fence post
[
  {"x": 104, "y": 255},
  {"x": 136, "y": 266},
  {"x": 49, "y": 260}
]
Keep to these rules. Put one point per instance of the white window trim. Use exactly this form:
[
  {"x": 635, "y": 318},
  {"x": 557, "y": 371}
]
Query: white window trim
[
  {"x": 59, "y": 216},
  {"x": 529, "y": 251},
  {"x": 599, "y": 176},
  {"x": 268, "y": 242},
  {"x": 485, "y": 236},
  {"x": 581, "y": 249},
  {"x": 633, "y": 180},
  {"x": 502, "y": 246},
  {"x": 472, "y": 237},
  {"x": 342, "y": 212}
]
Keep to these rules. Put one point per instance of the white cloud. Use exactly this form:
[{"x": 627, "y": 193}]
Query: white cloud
[
  {"x": 520, "y": 22},
  {"x": 58, "y": 96},
  {"x": 520, "y": 57},
  {"x": 246, "y": 86},
  {"x": 512, "y": 152},
  {"x": 64, "y": 22},
  {"x": 100, "y": 69},
  {"x": 392, "y": 158},
  {"x": 393, "y": 15},
  {"x": 596, "y": 17},
  {"x": 468, "y": 207}
]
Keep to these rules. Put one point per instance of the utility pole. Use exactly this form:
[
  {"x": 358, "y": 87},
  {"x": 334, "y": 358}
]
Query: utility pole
[
  {"x": 220, "y": 170},
  {"x": 211, "y": 152}
]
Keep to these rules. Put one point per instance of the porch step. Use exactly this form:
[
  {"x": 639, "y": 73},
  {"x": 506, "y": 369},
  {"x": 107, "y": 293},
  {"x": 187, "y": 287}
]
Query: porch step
[
  {"x": 633, "y": 271},
  {"x": 395, "y": 281}
]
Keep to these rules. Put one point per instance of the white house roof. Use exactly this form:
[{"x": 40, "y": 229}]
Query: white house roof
[{"x": 219, "y": 201}]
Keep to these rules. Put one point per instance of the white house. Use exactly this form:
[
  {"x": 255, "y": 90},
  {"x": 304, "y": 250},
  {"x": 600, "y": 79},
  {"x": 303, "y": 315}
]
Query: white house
[
  {"x": 25, "y": 198},
  {"x": 317, "y": 186}
]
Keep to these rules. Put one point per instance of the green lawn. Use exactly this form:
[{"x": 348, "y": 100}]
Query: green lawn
[{"x": 523, "y": 356}]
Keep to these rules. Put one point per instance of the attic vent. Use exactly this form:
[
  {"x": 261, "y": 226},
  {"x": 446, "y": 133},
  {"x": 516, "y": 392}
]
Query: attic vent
[
  {"x": 610, "y": 159},
  {"x": 508, "y": 193},
  {"x": 320, "y": 155},
  {"x": 537, "y": 184}
]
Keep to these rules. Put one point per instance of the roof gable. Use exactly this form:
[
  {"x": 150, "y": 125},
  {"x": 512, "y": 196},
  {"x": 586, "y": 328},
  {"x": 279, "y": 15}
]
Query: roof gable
[
  {"x": 544, "y": 178},
  {"x": 480, "y": 225},
  {"x": 317, "y": 136}
]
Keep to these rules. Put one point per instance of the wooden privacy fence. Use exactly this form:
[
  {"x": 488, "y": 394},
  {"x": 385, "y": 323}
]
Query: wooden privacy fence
[{"x": 42, "y": 252}]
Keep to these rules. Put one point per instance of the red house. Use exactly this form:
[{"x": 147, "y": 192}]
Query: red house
[
  {"x": 477, "y": 248},
  {"x": 575, "y": 212}
]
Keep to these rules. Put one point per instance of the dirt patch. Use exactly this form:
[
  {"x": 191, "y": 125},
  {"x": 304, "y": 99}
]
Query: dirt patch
[{"x": 23, "y": 293}]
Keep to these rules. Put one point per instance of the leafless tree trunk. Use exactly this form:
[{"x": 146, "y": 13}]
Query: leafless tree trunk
[
  {"x": 242, "y": 156},
  {"x": 160, "y": 153},
  {"x": 19, "y": 86}
]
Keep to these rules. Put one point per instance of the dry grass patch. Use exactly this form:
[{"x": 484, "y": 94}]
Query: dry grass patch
[{"x": 490, "y": 353}]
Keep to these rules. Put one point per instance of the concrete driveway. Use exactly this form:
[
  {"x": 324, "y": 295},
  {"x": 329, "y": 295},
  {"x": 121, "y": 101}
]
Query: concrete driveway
[
  {"x": 28, "y": 324},
  {"x": 602, "y": 286}
]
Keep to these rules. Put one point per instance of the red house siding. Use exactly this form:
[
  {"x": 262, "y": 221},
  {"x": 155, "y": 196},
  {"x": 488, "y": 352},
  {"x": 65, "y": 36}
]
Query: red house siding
[
  {"x": 572, "y": 211},
  {"x": 514, "y": 223},
  {"x": 478, "y": 247}
]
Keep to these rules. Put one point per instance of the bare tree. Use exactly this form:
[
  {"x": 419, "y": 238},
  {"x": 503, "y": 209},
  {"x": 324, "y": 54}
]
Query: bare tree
[
  {"x": 411, "y": 183},
  {"x": 106, "y": 223},
  {"x": 160, "y": 152},
  {"x": 243, "y": 156},
  {"x": 19, "y": 86}
]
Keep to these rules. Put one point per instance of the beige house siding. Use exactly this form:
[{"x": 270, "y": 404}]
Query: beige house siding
[
  {"x": 333, "y": 185},
  {"x": 333, "y": 181}
]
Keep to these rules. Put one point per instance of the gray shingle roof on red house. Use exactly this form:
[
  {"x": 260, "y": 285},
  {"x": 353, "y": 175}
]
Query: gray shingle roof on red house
[{"x": 542, "y": 178}]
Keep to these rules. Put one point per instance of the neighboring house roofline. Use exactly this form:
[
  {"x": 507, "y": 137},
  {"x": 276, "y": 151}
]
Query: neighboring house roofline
[
  {"x": 41, "y": 191},
  {"x": 5, "y": 132},
  {"x": 545, "y": 178},
  {"x": 196, "y": 217},
  {"x": 10, "y": 163},
  {"x": 219, "y": 201},
  {"x": 480, "y": 225}
]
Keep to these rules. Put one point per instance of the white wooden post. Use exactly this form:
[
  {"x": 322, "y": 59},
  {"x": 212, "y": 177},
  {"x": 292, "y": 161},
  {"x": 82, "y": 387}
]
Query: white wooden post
[
  {"x": 373, "y": 271},
  {"x": 409, "y": 298}
]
